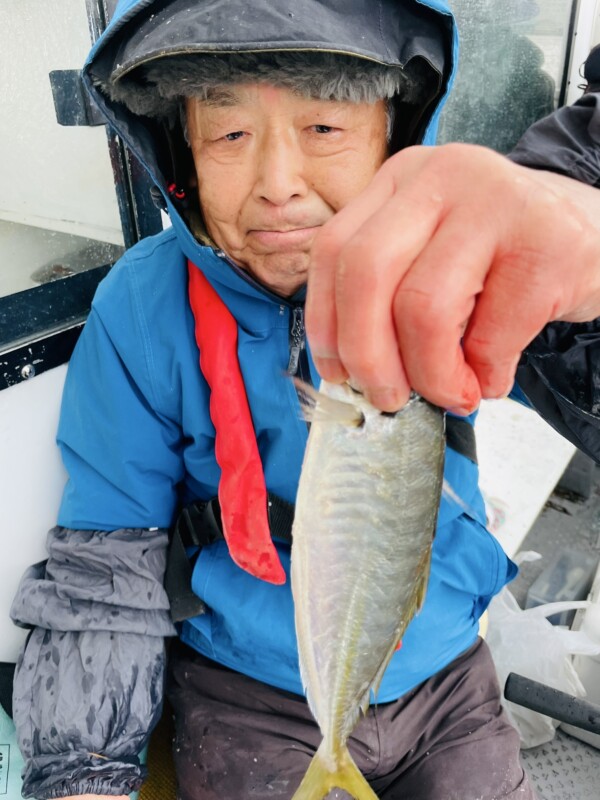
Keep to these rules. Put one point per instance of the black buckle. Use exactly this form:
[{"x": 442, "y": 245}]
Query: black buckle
[{"x": 199, "y": 524}]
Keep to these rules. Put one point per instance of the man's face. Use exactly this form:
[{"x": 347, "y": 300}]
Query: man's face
[{"x": 272, "y": 167}]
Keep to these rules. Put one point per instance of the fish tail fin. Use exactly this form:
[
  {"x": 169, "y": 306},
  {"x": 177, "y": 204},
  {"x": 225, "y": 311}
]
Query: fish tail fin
[{"x": 320, "y": 779}]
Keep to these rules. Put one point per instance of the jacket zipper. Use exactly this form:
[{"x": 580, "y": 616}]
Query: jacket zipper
[{"x": 298, "y": 362}]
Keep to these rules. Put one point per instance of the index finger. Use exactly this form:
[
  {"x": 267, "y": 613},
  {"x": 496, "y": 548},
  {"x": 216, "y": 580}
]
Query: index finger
[
  {"x": 355, "y": 270},
  {"x": 321, "y": 310}
]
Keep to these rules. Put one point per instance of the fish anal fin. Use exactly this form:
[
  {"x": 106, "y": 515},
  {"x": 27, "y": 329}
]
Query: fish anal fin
[
  {"x": 423, "y": 580},
  {"x": 414, "y": 606},
  {"x": 320, "y": 779}
]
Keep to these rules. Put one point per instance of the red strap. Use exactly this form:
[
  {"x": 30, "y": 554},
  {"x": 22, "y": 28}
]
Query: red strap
[{"x": 242, "y": 490}]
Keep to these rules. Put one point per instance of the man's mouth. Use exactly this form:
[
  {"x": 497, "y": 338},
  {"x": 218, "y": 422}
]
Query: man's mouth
[{"x": 284, "y": 238}]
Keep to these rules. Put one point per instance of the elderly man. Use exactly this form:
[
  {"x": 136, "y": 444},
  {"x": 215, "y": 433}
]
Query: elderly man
[{"x": 280, "y": 135}]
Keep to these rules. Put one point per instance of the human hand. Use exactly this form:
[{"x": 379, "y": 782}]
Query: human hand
[{"x": 442, "y": 271}]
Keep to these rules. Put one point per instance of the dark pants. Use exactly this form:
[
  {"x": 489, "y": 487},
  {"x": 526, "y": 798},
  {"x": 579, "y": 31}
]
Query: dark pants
[{"x": 448, "y": 739}]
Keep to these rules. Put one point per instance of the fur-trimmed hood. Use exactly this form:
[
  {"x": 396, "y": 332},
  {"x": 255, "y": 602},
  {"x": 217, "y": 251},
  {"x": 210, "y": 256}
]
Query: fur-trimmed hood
[{"x": 416, "y": 36}]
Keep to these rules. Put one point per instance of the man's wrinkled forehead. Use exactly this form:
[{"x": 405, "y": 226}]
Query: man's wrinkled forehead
[
  {"x": 229, "y": 96},
  {"x": 224, "y": 96}
]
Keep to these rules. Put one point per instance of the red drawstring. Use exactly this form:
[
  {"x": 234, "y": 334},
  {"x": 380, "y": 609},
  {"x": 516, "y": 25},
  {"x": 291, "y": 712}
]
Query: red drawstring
[{"x": 242, "y": 490}]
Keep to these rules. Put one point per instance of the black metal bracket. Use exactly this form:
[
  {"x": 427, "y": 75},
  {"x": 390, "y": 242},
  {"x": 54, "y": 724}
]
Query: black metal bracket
[
  {"x": 72, "y": 103},
  {"x": 39, "y": 327},
  {"x": 25, "y": 316},
  {"x": 27, "y": 360}
]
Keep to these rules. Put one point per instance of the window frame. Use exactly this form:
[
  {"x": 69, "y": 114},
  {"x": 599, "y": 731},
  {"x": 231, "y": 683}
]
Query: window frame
[{"x": 39, "y": 327}]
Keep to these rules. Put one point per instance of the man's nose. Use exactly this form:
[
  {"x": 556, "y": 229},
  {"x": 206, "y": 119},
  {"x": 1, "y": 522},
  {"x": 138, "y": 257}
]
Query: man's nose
[{"x": 280, "y": 170}]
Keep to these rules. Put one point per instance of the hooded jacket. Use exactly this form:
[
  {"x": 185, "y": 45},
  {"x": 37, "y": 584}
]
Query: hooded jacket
[{"x": 138, "y": 442}]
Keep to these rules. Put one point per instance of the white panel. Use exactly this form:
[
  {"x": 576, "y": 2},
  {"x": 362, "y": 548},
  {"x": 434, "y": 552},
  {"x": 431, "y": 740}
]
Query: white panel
[
  {"x": 51, "y": 176},
  {"x": 31, "y": 482},
  {"x": 521, "y": 459}
]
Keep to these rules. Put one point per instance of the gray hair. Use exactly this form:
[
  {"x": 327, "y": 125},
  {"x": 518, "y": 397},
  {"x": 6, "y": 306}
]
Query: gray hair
[{"x": 156, "y": 89}]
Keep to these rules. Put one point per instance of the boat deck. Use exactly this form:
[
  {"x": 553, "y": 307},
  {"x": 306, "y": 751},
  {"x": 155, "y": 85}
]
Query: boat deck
[{"x": 566, "y": 768}]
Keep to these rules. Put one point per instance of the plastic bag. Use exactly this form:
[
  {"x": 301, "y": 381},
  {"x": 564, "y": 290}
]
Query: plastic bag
[{"x": 523, "y": 641}]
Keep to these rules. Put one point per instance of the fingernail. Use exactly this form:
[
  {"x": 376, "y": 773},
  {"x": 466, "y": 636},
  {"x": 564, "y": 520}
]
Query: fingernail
[
  {"x": 331, "y": 369},
  {"x": 354, "y": 384},
  {"x": 385, "y": 398},
  {"x": 461, "y": 412},
  {"x": 503, "y": 395}
]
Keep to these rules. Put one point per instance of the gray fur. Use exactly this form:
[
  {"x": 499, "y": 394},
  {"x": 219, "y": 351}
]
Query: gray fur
[{"x": 155, "y": 89}]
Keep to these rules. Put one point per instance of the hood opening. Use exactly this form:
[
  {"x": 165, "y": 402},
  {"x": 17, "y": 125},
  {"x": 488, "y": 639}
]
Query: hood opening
[{"x": 397, "y": 35}]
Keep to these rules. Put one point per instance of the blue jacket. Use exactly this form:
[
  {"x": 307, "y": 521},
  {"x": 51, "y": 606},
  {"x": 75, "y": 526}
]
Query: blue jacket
[{"x": 151, "y": 448}]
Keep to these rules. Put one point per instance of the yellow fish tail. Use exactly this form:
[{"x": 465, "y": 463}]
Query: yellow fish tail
[{"x": 320, "y": 780}]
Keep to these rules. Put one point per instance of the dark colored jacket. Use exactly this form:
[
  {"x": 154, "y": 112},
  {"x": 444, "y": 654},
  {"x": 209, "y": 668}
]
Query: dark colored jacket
[{"x": 560, "y": 370}]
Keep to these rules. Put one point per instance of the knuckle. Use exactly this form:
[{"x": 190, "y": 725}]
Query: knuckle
[
  {"x": 419, "y": 310},
  {"x": 359, "y": 271},
  {"x": 364, "y": 365}
]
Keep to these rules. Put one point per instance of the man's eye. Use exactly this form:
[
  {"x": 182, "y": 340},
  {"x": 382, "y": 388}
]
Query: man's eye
[
  {"x": 323, "y": 128},
  {"x": 232, "y": 137}
]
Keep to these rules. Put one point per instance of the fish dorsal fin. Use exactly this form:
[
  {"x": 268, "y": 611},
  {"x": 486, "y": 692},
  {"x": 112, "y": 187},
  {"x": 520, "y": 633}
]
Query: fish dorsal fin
[{"x": 319, "y": 407}]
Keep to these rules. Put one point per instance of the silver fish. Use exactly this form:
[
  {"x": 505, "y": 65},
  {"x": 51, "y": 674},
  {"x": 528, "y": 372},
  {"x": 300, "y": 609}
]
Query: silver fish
[{"x": 366, "y": 513}]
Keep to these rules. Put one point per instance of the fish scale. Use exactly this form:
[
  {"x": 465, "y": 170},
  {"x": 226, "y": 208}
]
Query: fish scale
[{"x": 365, "y": 518}]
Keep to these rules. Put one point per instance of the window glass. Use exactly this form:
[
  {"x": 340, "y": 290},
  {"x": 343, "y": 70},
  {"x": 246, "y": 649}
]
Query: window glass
[
  {"x": 58, "y": 206},
  {"x": 511, "y": 69}
]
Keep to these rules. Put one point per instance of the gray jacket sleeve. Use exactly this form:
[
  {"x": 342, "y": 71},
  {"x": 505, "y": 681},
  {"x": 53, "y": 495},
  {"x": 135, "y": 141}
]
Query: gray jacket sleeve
[
  {"x": 89, "y": 683},
  {"x": 559, "y": 371}
]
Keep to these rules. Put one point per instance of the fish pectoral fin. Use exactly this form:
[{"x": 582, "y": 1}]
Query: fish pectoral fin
[
  {"x": 320, "y": 780},
  {"x": 450, "y": 494},
  {"x": 318, "y": 407}
]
